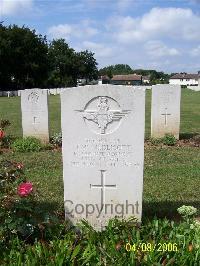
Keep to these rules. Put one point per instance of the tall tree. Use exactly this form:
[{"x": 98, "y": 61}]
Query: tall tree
[
  {"x": 87, "y": 65},
  {"x": 5, "y": 75},
  {"x": 62, "y": 64},
  {"x": 119, "y": 69},
  {"x": 23, "y": 56},
  {"x": 26, "y": 60}
]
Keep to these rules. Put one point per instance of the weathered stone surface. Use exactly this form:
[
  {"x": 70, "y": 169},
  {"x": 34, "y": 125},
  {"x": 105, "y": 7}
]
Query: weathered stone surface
[
  {"x": 103, "y": 152},
  {"x": 165, "y": 110},
  {"x": 34, "y": 106}
]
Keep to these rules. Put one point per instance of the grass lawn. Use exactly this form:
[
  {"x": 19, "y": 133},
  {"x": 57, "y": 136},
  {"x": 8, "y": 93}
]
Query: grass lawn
[
  {"x": 190, "y": 113},
  {"x": 171, "y": 176}
]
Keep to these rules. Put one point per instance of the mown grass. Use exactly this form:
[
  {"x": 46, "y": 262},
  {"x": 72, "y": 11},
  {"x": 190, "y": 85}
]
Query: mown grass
[
  {"x": 171, "y": 178},
  {"x": 190, "y": 113}
]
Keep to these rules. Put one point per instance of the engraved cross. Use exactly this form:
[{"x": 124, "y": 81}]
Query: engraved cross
[
  {"x": 103, "y": 187},
  {"x": 165, "y": 114},
  {"x": 35, "y": 120}
]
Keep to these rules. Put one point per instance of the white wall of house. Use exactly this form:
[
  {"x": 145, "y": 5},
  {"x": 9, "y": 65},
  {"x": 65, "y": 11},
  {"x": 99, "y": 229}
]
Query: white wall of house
[
  {"x": 183, "y": 81},
  {"x": 146, "y": 81}
]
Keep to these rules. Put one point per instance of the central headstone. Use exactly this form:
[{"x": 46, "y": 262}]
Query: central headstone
[
  {"x": 103, "y": 152},
  {"x": 34, "y": 106}
]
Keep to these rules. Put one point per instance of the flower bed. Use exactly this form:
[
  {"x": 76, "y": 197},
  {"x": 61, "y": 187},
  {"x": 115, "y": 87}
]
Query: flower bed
[{"x": 29, "y": 236}]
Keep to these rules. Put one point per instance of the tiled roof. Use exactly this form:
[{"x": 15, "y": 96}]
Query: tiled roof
[{"x": 185, "y": 76}]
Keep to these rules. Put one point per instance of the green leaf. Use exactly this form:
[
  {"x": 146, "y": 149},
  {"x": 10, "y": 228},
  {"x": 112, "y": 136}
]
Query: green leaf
[{"x": 75, "y": 251}]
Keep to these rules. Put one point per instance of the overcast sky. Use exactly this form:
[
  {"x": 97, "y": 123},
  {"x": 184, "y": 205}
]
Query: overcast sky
[{"x": 148, "y": 34}]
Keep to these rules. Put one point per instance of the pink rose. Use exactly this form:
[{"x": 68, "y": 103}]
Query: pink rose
[{"x": 24, "y": 189}]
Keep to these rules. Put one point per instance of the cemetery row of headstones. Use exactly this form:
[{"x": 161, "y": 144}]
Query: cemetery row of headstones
[
  {"x": 54, "y": 91},
  {"x": 103, "y": 144},
  {"x": 165, "y": 111},
  {"x": 57, "y": 91}
]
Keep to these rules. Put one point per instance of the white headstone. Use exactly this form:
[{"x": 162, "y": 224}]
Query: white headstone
[
  {"x": 165, "y": 110},
  {"x": 142, "y": 87},
  {"x": 34, "y": 106},
  {"x": 59, "y": 90},
  {"x": 103, "y": 152}
]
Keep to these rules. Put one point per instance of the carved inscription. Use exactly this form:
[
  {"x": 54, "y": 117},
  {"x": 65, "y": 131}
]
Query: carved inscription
[
  {"x": 103, "y": 153},
  {"x": 166, "y": 96},
  {"x": 33, "y": 97}
]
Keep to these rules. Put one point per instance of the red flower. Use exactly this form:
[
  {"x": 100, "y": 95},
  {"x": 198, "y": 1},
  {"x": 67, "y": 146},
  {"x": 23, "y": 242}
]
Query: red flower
[
  {"x": 2, "y": 134},
  {"x": 24, "y": 189}
]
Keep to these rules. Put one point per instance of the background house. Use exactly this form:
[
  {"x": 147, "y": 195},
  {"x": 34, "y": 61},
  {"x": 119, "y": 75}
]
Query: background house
[
  {"x": 104, "y": 80},
  {"x": 130, "y": 79},
  {"x": 185, "y": 79}
]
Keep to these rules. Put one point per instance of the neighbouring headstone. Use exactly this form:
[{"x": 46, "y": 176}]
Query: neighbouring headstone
[
  {"x": 144, "y": 87},
  {"x": 34, "y": 107},
  {"x": 59, "y": 90},
  {"x": 165, "y": 110},
  {"x": 103, "y": 152}
]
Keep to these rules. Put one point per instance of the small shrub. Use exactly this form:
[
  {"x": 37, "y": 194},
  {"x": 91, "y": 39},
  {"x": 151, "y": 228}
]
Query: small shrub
[
  {"x": 27, "y": 144},
  {"x": 13, "y": 205},
  {"x": 7, "y": 141},
  {"x": 183, "y": 86},
  {"x": 169, "y": 140},
  {"x": 187, "y": 211},
  {"x": 57, "y": 139},
  {"x": 156, "y": 141},
  {"x": 47, "y": 147},
  {"x": 20, "y": 213},
  {"x": 197, "y": 139}
]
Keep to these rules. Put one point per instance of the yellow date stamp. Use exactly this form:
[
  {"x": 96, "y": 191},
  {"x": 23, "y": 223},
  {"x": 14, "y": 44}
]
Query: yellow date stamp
[{"x": 150, "y": 247}]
